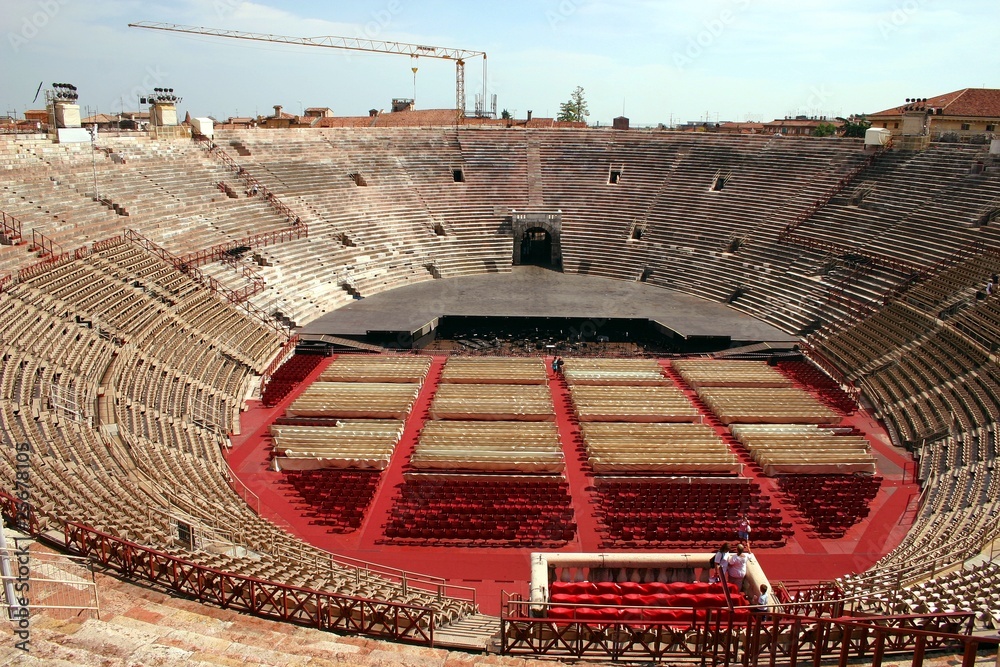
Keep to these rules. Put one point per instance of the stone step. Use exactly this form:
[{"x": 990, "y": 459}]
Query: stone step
[{"x": 472, "y": 633}]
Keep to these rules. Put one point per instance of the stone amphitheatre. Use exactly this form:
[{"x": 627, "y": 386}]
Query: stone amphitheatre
[{"x": 306, "y": 375}]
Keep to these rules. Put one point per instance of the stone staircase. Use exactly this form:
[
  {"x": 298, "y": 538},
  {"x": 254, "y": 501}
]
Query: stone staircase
[{"x": 472, "y": 633}]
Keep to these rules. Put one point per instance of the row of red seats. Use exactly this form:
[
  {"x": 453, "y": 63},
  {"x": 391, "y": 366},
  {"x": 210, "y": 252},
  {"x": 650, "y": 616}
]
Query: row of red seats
[
  {"x": 820, "y": 384},
  {"x": 331, "y": 498},
  {"x": 637, "y": 587},
  {"x": 528, "y": 512},
  {"x": 288, "y": 377},
  {"x": 666, "y": 512},
  {"x": 831, "y": 504},
  {"x": 639, "y": 600},
  {"x": 677, "y": 617}
]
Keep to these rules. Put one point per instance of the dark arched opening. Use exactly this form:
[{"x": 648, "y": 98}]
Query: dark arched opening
[{"x": 536, "y": 247}]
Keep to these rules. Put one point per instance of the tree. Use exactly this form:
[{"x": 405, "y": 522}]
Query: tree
[
  {"x": 825, "y": 130},
  {"x": 855, "y": 127},
  {"x": 574, "y": 110},
  {"x": 505, "y": 114}
]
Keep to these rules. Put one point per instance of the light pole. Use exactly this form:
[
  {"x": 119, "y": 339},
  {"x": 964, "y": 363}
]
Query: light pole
[{"x": 93, "y": 158}]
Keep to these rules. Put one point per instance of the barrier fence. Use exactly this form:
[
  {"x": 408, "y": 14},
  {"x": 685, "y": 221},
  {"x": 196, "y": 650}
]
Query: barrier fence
[
  {"x": 728, "y": 637},
  {"x": 326, "y": 611}
]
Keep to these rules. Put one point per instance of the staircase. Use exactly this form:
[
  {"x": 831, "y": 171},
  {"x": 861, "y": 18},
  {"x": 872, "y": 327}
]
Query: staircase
[
  {"x": 536, "y": 195},
  {"x": 471, "y": 633}
]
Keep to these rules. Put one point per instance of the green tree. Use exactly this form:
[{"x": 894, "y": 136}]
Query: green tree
[
  {"x": 825, "y": 130},
  {"x": 505, "y": 114},
  {"x": 856, "y": 126},
  {"x": 575, "y": 109}
]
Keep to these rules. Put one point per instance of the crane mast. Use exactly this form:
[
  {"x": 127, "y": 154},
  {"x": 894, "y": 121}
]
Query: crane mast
[{"x": 345, "y": 43}]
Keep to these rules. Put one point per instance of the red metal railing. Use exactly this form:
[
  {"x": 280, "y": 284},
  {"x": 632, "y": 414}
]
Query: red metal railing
[
  {"x": 219, "y": 251},
  {"x": 239, "y": 297},
  {"x": 267, "y": 599},
  {"x": 253, "y": 184},
  {"x": 48, "y": 263},
  {"x": 719, "y": 636},
  {"x": 42, "y": 244},
  {"x": 825, "y": 198},
  {"x": 295, "y": 604},
  {"x": 11, "y": 228},
  {"x": 788, "y": 233}
]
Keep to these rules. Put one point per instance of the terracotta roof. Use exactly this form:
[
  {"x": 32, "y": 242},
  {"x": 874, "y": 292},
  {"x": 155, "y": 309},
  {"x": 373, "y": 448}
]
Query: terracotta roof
[
  {"x": 976, "y": 102},
  {"x": 421, "y": 118},
  {"x": 803, "y": 122}
]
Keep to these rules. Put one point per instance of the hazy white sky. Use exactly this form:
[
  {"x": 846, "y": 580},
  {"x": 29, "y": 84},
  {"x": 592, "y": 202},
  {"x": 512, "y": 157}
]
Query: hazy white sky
[{"x": 660, "y": 61}]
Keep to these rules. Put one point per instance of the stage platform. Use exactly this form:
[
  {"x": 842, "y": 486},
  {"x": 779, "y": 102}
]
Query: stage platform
[{"x": 535, "y": 292}]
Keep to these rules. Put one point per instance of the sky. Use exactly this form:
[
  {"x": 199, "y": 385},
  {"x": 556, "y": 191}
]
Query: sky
[{"x": 652, "y": 61}]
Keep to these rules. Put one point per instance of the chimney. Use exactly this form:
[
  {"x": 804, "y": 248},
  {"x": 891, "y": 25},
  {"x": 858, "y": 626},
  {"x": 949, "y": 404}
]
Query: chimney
[
  {"x": 277, "y": 111},
  {"x": 529, "y": 114}
]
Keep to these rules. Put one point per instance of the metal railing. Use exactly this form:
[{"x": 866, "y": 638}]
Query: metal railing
[
  {"x": 719, "y": 636},
  {"x": 11, "y": 228},
  {"x": 239, "y": 298},
  {"x": 267, "y": 599}
]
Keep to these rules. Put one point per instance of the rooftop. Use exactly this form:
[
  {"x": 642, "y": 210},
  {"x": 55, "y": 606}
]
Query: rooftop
[{"x": 975, "y": 102}]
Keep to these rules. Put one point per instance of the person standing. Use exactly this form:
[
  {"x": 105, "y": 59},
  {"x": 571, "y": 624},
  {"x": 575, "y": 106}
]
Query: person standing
[
  {"x": 763, "y": 602},
  {"x": 720, "y": 559},
  {"x": 736, "y": 566},
  {"x": 743, "y": 530}
]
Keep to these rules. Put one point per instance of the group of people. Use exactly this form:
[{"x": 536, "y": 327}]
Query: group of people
[{"x": 731, "y": 566}]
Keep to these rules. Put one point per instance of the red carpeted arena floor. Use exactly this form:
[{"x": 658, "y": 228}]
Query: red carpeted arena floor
[{"x": 804, "y": 557}]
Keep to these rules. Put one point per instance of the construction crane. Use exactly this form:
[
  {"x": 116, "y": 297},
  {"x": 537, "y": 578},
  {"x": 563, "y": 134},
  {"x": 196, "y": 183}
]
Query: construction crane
[{"x": 348, "y": 44}]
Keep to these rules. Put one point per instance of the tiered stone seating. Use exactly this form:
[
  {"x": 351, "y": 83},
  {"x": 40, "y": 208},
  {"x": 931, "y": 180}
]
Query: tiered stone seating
[
  {"x": 151, "y": 455},
  {"x": 620, "y": 448},
  {"x": 167, "y": 190},
  {"x": 956, "y": 283},
  {"x": 922, "y": 207},
  {"x": 804, "y": 448}
]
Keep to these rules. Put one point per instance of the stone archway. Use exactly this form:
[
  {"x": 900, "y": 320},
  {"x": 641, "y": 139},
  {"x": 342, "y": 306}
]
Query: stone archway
[
  {"x": 536, "y": 247},
  {"x": 536, "y": 234}
]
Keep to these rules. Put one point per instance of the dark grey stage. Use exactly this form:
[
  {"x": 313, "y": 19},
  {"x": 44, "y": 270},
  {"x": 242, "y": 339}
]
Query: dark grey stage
[{"x": 530, "y": 291}]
